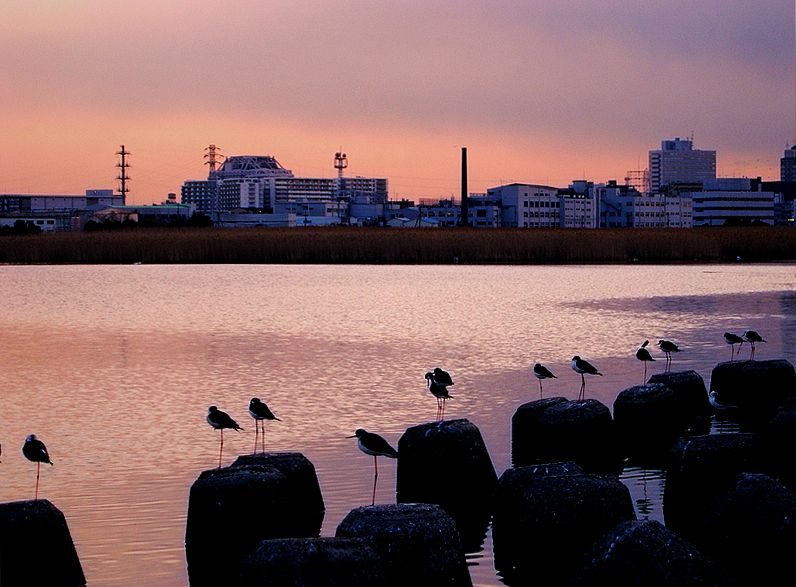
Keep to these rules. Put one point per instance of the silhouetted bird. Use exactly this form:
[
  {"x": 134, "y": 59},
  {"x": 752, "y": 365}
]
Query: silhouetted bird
[
  {"x": 752, "y": 337},
  {"x": 542, "y": 372},
  {"x": 668, "y": 347},
  {"x": 642, "y": 354},
  {"x": 35, "y": 451},
  {"x": 374, "y": 445},
  {"x": 440, "y": 392},
  {"x": 442, "y": 377},
  {"x": 220, "y": 420},
  {"x": 733, "y": 339},
  {"x": 582, "y": 366},
  {"x": 260, "y": 412}
]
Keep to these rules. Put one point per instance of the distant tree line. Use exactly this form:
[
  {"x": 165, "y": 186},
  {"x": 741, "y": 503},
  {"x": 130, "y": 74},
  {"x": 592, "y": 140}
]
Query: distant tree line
[
  {"x": 20, "y": 227},
  {"x": 197, "y": 220}
]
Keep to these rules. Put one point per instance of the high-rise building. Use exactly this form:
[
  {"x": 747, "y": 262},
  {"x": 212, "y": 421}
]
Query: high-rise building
[
  {"x": 787, "y": 165},
  {"x": 678, "y": 162}
]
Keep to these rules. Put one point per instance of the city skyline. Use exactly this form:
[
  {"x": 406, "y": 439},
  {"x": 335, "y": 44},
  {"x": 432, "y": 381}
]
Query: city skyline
[{"x": 539, "y": 92}]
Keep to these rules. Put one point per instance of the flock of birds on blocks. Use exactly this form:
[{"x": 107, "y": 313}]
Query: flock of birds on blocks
[{"x": 438, "y": 381}]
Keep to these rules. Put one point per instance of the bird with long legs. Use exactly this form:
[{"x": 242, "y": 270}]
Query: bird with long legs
[
  {"x": 584, "y": 368},
  {"x": 752, "y": 337},
  {"x": 733, "y": 339},
  {"x": 35, "y": 451},
  {"x": 221, "y": 420},
  {"x": 260, "y": 412},
  {"x": 440, "y": 392},
  {"x": 643, "y": 355},
  {"x": 376, "y": 446},
  {"x": 668, "y": 347},
  {"x": 442, "y": 377},
  {"x": 542, "y": 372}
]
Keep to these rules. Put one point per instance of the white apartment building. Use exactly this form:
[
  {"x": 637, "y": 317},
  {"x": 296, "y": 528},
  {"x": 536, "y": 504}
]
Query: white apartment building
[
  {"x": 525, "y": 205},
  {"x": 678, "y": 162},
  {"x": 622, "y": 206},
  {"x": 731, "y": 200},
  {"x": 257, "y": 182}
]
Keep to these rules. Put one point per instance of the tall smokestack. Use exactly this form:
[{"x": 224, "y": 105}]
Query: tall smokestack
[{"x": 465, "y": 220}]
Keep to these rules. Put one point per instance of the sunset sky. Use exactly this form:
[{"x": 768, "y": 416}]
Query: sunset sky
[{"x": 540, "y": 91}]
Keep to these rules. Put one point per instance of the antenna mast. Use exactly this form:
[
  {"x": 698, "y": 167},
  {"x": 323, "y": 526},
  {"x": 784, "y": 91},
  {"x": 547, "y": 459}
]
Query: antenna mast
[
  {"x": 123, "y": 178},
  {"x": 340, "y": 162}
]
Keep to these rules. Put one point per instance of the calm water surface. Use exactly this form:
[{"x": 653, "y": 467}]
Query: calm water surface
[{"x": 114, "y": 367}]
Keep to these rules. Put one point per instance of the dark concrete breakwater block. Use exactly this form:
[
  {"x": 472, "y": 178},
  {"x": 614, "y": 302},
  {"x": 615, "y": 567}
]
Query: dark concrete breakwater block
[
  {"x": 419, "y": 543},
  {"x": 309, "y": 509},
  {"x": 231, "y": 510},
  {"x": 691, "y": 396},
  {"x": 645, "y": 553},
  {"x": 755, "y": 388},
  {"x": 447, "y": 463},
  {"x": 36, "y": 547},
  {"x": 556, "y": 429},
  {"x": 320, "y": 562},
  {"x": 700, "y": 468},
  {"x": 546, "y": 516},
  {"x": 647, "y": 421},
  {"x": 751, "y": 530}
]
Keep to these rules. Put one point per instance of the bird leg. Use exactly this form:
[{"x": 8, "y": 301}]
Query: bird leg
[
  {"x": 262, "y": 436},
  {"x": 256, "y": 431},
  {"x": 221, "y": 448},
  {"x": 540, "y": 389},
  {"x": 38, "y": 470},
  {"x": 375, "y": 478}
]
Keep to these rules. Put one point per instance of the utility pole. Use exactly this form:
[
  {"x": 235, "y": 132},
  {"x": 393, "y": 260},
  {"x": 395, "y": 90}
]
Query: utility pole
[{"x": 123, "y": 178}]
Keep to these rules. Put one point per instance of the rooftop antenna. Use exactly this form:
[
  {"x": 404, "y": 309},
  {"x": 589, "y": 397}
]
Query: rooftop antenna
[
  {"x": 212, "y": 153},
  {"x": 123, "y": 178},
  {"x": 340, "y": 162}
]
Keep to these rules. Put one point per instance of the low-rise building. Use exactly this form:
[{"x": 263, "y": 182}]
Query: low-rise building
[{"x": 732, "y": 201}]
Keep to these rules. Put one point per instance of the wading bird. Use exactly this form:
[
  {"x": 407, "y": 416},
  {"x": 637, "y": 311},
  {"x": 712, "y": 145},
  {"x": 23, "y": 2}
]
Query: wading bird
[
  {"x": 752, "y": 337},
  {"x": 582, "y": 366},
  {"x": 733, "y": 339},
  {"x": 713, "y": 398},
  {"x": 260, "y": 412},
  {"x": 440, "y": 392},
  {"x": 542, "y": 372},
  {"x": 643, "y": 354},
  {"x": 35, "y": 451},
  {"x": 375, "y": 445},
  {"x": 668, "y": 347},
  {"x": 442, "y": 377},
  {"x": 220, "y": 420}
]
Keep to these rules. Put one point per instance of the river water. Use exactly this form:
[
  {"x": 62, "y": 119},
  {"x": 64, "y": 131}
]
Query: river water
[{"x": 113, "y": 367}]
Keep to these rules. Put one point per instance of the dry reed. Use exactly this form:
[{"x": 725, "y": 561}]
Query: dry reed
[{"x": 403, "y": 246}]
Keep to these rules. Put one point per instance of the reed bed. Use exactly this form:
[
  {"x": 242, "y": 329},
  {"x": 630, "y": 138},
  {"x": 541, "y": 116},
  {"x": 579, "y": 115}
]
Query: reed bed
[{"x": 403, "y": 246}]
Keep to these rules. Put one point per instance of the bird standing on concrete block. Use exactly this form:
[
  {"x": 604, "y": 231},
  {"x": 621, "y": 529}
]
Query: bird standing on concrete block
[
  {"x": 733, "y": 339},
  {"x": 35, "y": 451},
  {"x": 752, "y": 337},
  {"x": 643, "y": 354},
  {"x": 260, "y": 412},
  {"x": 375, "y": 445},
  {"x": 220, "y": 420},
  {"x": 542, "y": 372},
  {"x": 582, "y": 366}
]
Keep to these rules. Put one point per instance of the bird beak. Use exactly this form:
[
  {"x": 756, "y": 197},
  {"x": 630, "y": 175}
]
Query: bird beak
[{"x": 354, "y": 436}]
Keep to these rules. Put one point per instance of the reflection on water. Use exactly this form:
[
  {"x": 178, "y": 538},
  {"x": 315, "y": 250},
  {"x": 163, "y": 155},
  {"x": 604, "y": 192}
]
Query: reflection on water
[
  {"x": 114, "y": 367},
  {"x": 646, "y": 490}
]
